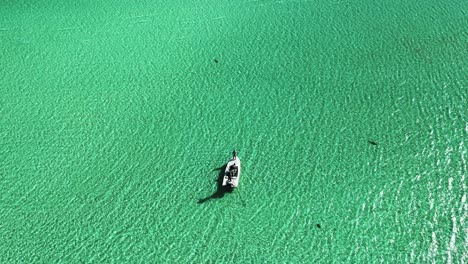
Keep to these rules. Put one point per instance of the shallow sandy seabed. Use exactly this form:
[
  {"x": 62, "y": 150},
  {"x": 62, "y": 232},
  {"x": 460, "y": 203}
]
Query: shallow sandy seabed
[{"x": 349, "y": 118}]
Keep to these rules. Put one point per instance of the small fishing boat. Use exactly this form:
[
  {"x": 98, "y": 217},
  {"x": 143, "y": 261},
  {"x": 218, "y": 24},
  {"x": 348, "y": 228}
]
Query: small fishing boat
[{"x": 232, "y": 172}]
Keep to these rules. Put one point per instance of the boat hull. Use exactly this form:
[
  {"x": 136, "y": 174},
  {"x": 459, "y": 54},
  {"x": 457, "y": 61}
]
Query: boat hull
[{"x": 234, "y": 181}]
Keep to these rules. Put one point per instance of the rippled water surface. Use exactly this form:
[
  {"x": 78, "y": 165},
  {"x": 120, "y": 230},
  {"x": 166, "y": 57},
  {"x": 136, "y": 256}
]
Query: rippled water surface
[{"x": 350, "y": 119}]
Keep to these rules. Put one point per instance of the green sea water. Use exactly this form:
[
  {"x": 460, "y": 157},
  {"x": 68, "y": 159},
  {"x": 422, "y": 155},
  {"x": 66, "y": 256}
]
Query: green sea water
[{"x": 350, "y": 118}]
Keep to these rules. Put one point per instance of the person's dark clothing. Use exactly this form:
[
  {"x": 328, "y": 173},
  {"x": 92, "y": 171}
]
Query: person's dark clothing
[{"x": 232, "y": 171}]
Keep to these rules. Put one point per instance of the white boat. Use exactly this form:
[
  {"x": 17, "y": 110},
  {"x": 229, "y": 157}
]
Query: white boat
[{"x": 232, "y": 172}]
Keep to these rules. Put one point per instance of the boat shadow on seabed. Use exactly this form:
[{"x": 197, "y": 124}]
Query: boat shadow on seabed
[{"x": 220, "y": 189}]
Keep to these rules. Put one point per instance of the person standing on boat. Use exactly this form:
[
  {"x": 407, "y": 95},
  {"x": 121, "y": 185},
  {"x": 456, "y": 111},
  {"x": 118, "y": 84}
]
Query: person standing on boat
[{"x": 233, "y": 171}]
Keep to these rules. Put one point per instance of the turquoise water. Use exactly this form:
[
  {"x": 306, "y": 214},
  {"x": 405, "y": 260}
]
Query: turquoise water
[{"x": 350, "y": 119}]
